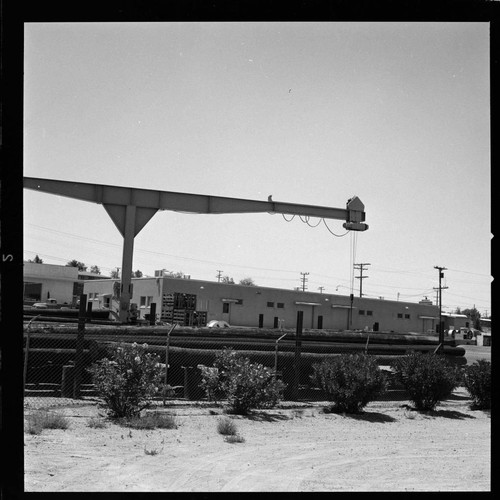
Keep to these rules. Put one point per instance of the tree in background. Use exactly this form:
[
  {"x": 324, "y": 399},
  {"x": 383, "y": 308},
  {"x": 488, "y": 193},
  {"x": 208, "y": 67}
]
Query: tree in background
[
  {"x": 95, "y": 270},
  {"x": 171, "y": 274},
  {"x": 475, "y": 316},
  {"x": 247, "y": 282},
  {"x": 115, "y": 274},
  {"x": 36, "y": 260},
  {"x": 75, "y": 263},
  {"x": 227, "y": 280}
]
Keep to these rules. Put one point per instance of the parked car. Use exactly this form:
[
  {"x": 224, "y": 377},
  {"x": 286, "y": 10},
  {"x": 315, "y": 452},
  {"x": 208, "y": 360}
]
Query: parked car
[
  {"x": 49, "y": 304},
  {"x": 218, "y": 324}
]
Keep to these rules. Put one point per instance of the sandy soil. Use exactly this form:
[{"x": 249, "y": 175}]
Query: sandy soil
[{"x": 387, "y": 448}]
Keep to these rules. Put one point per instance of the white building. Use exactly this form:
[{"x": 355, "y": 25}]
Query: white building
[{"x": 190, "y": 302}]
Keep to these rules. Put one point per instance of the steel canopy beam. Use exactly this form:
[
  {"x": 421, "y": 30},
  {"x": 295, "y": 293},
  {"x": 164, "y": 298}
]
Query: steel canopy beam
[
  {"x": 188, "y": 202},
  {"x": 131, "y": 208}
]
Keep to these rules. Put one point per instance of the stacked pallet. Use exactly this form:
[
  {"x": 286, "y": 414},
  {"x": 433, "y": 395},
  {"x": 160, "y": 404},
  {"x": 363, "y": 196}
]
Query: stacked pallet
[
  {"x": 167, "y": 307},
  {"x": 180, "y": 308}
]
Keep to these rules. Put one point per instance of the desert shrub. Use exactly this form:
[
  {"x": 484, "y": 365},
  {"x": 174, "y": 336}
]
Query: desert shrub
[
  {"x": 128, "y": 381},
  {"x": 243, "y": 384},
  {"x": 150, "y": 421},
  {"x": 350, "y": 381},
  {"x": 42, "y": 419},
  {"x": 236, "y": 438},
  {"x": 227, "y": 427},
  {"x": 96, "y": 423},
  {"x": 477, "y": 381},
  {"x": 152, "y": 451},
  {"x": 427, "y": 378}
]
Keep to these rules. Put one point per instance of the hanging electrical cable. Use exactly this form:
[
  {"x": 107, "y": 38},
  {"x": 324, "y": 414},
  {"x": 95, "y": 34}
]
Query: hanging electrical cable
[
  {"x": 337, "y": 235},
  {"x": 353, "y": 257},
  {"x": 315, "y": 225},
  {"x": 305, "y": 219}
]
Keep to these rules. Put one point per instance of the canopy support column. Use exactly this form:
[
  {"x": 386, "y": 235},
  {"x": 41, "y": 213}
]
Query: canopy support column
[{"x": 128, "y": 252}]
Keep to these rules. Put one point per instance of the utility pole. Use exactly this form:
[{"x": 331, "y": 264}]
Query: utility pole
[
  {"x": 304, "y": 281},
  {"x": 321, "y": 288},
  {"x": 219, "y": 274},
  {"x": 361, "y": 267},
  {"x": 437, "y": 294},
  {"x": 441, "y": 328}
]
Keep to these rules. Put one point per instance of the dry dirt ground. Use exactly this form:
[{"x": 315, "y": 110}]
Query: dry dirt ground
[{"x": 389, "y": 447}]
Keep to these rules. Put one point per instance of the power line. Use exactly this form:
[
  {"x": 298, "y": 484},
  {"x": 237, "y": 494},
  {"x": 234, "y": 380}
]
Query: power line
[{"x": 140, "y": 250}]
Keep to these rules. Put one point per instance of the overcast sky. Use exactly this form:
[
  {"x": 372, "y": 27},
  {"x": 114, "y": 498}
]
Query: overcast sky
[{"x": 313, "y": 113}]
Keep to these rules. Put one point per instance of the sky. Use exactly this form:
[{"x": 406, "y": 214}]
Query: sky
[{"x": 397, "y": 114}]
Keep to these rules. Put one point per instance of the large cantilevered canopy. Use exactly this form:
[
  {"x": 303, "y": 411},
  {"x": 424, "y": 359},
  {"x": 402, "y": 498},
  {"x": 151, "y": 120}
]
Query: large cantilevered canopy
[{"x": 131, "y": 208}]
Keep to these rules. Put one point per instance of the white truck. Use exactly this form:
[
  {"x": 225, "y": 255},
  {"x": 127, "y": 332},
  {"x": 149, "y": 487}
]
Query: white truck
[{"x": 48, "y": 304}]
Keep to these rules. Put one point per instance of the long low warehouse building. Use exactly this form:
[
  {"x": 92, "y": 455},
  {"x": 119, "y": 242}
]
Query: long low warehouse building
[{"x": 193, "y": 302}]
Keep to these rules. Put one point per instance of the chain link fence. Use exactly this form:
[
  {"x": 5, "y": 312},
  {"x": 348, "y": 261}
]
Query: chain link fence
[{"x": 56, "y": 355}]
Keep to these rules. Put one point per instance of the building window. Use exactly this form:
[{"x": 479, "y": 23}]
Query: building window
[
  {"x": 369, "y": 313},
  {"x": 407, "y": 316},
  {"x": 400, "y": 315},
  {"x": 281, "y": 305},
  {"x": 239, "y": 302},
  {"x": 145, "y": 301},
  {"x": 270, "y": 304},
  {"x": 106, "y": 302},
  {"x": 362, "y": 312},
  {"x": 225, "y": 307}
]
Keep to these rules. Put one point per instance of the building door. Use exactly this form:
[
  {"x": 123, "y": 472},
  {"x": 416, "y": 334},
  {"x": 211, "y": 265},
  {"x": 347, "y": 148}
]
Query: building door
[
  {"x": 225, "y": 311},
  {"x": 261, "y": 320},
  {"x": 375, "y": 327},
  {"x": 320, "y": 322},
  {"x": 276, "y": 322}
]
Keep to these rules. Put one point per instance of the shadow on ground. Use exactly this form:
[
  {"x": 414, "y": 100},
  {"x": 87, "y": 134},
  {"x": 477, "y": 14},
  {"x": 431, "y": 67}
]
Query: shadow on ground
[
  {"x": 370, "y": 416},
  {"x": 453, "y": 414},
  {"x": 267, "y": 416}
]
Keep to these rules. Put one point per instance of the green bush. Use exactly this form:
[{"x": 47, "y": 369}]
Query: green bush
[
  {"x": 427, "y": 378},
  {"x": 477, "y": 381},
  {"x": 45, "y": 419},
  {"x": 243, "y": 384},
  {"x": 128, "y": 381},
  {"x": 351, "y": 381}
]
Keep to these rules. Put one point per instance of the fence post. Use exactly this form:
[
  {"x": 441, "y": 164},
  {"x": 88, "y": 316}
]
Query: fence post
[
  {"x": 296, "y": 361},
  {"x": 79, "y": 346},
  {"x": 166, "y": 362},
  {"x": 276, "y": 357},
  {"x": 26, "y": 354},
  {"x": 89, "y": 312}
]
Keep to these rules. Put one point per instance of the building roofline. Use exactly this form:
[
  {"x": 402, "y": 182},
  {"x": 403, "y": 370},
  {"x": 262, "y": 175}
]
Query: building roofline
[{"x": 259, "y": 287}]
